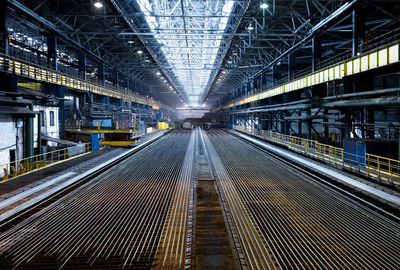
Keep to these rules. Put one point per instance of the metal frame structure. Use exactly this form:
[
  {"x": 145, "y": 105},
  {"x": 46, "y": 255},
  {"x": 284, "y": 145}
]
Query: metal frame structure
[
  {"x": 202, "y": 51},
  {"x": 188, "y": 39},
  {"x": 288, "y": 30}
]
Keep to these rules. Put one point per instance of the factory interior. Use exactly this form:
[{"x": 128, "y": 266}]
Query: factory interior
[{"x": 200, "y": 134}]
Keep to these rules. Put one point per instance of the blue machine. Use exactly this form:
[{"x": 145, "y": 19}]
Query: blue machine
[
  {"x": 354, "y": 152},
  {"x": 103, "y": 123},
  {"x": 94, "y": 139}
]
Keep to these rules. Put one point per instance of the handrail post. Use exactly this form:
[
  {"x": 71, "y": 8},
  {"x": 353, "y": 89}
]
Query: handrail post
[{"x": 379, "y": 168}]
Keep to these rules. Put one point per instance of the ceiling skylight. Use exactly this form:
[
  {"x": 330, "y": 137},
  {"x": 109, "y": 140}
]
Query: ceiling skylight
[{"x": 190, "y": 34}]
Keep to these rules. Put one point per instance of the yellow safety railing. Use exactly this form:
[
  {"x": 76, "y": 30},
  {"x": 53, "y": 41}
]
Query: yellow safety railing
[
  {"x": 32, "y": 71},
  {"x": 23, "y": 166},
  {"x": 376, "y": 58},
  {"x": 374, "y": 166}
]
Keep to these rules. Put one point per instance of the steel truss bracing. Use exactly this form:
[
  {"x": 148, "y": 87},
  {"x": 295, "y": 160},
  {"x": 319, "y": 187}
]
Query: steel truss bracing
[
  {"x": 287, "y": 27},
  {"x": 198, "y": 51},
  {"x": 83, "y": 30},
  {"x": 187, "y": 38}
]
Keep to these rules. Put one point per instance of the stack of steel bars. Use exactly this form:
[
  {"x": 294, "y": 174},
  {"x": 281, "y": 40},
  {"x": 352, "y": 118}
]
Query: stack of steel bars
[
  {"x": 306, "y": 224},
  {"x": 173, "y": 244},
  {"x": 112, "y": 222},
  {"x": 249, "y": 242}
]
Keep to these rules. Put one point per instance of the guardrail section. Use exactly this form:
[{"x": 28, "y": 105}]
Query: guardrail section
[
  {"x": 32, "y": 71},
  {"x": 27, "y": 165},
  {"x": 377, "y": 167},
  {"x": 379, "y": 57}
]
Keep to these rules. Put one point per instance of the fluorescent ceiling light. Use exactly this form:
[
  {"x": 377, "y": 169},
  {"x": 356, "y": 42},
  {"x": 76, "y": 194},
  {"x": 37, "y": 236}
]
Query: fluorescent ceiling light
[
  {"x": 98, "y": 4},
  {"x": 264, "y": 5}
]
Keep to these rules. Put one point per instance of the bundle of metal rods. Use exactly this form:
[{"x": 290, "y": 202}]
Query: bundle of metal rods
[
  {"x": 173, "y": 245},
  {"x": 112, "y": 222},
  {"x": 249, "y": 243},
  {"x": 306, "y": 224}
]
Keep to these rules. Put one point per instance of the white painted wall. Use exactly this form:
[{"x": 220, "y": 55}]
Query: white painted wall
[
  {"x": 183, "y": 114},
  {"x": 47, "y": 129},
  {"x": 11, "y": 138},
  {"x": 12, "y": 134}
]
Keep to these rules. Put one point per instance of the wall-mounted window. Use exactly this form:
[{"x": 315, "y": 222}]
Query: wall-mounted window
[
  {"x": 52, "y": 118},
  {"x": 42, "y": 120}
]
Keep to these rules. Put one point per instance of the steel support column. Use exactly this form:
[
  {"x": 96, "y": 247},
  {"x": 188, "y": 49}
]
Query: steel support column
[
  {"x": 275, "y": 75},
  {"x": 269, "y": 121},
  {"x": 347, "y": 127},
  {"x": 100, "y": 74},
  {"x": 282, "y": 123},
  {"x": 371, "y": 120},
  {"x": 116, "y": 77},
  {"x": 316, "y": 53},
  {"x": 309, "y": 125},
  {"x": 52, "y": 51},
  {"x": 358, "y": 23},
  {"x": 3, "y": 27},
  {"x": 291, "y": 66},
  {"x": 300, "y": 126},
  {"x": 82, "y": 64},
  {"x": 326, "y": 125}
]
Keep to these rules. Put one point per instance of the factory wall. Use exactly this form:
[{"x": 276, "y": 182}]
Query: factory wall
[
  {"x": 183, "y": 114},
  {"x": 12, "y": 134},
  {"x": 50, "y": 123}
]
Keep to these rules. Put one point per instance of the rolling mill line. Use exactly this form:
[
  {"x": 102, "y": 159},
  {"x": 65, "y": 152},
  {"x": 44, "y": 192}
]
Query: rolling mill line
[
  {"x": 302, "y": 224},
  {"x": 200, "y": 134},
  {"x": 113, "y": 221},
  {"x": 174, "y": 249}
]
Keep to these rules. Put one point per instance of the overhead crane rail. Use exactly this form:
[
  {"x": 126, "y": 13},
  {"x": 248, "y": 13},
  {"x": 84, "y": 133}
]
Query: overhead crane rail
[
  {"x": 19, "y": 67},
  {"x": 380, "y": 57},
  {"x": 304, "y": 224}
]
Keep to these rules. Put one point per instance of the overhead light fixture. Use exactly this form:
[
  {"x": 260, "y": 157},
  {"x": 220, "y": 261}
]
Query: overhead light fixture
[
  {"x": 98, "y": 4},
  {"x": 139, "y": 52},
  {"x": 158, "y": 73},
  {"x": 223, "y": 72},
  {"x": 264, "y": 5},
  {"x": 131, "y": 41},
  {"x": 250, "y": 27}
]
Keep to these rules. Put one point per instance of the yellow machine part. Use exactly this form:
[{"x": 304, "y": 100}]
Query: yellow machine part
[
  {"x": 32, "y": 86},
  {"x": 163, "y": 125},
  {"x": 120, "y": 143}
]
